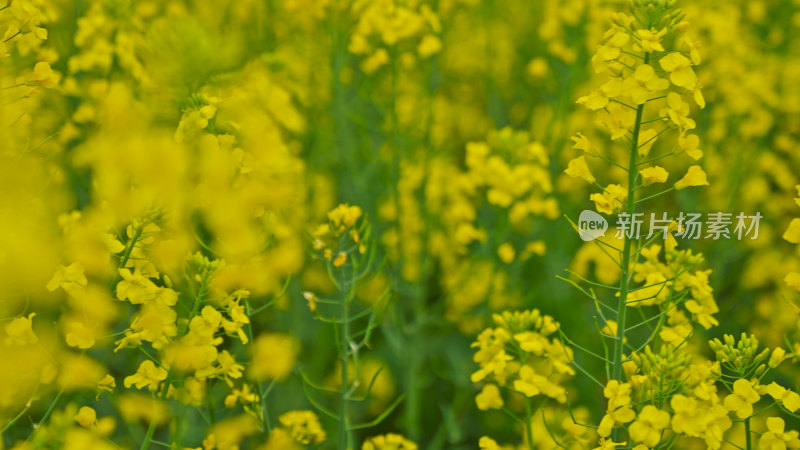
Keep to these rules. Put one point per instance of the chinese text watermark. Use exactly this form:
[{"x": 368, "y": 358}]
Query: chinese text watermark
[{"x": 715, "y": 225}]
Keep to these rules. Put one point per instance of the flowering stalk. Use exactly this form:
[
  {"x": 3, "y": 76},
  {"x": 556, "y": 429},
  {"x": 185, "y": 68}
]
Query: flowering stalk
[
  {"x": 343, "y": 242},
  {"x": 634, "y": 58},
  {"x": 199, "y": 299}
]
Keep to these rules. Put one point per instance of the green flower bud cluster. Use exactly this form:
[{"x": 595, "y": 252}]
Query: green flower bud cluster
[{"x": 741, "y": 357}]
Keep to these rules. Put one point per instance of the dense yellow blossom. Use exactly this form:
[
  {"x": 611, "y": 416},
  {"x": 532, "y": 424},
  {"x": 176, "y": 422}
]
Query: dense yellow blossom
[{"x": 280, "y": 224}]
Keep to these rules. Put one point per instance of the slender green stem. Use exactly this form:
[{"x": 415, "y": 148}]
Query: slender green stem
[
  {"x": 12, "y": 36},
  {"x": 212, "y": 415},
  {"x": 656, "y": 195},
  {"x": 129, "y": 249},
  {"x": 616, "y": 369},
  {"x": 528, "y": 425},
  {"x": 149, "y": 436},
  {"x": 345, "y": 432},
  {"x": 747, "y": 434},
  {"x": 262, "y": 406},
  {"x": 15, "y": 419}
]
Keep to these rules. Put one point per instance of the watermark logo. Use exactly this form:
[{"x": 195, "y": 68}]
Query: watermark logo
[
  {"x": 717, "y": 225},
  {"x": 591, "y": 225}
]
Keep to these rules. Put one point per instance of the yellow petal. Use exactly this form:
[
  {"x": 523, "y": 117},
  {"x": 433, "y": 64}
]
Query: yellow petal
[
  {"x": 577, "y": 168},
  {"x": 695, "y": 176},
  {"x": 792, "y": 233}
]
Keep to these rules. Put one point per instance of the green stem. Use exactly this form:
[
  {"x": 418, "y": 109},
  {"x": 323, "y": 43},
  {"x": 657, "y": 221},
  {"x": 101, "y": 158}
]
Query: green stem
[
  {"x": 12, "y": 36},
  {"x": 748, "y": 444},
  {"x": 264, "y": 416},
  {"x": 210, "y": 404},
  {"x": 15, "y": 419},
  {"x": 129, "y": 249},
  {"x": 528, "y": 425},
  {"x": 616, "y": 370},
  {"x": 345, "y": 434}
]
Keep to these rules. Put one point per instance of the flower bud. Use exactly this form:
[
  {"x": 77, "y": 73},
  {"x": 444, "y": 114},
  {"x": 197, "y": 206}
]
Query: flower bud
[
  {"x": 761, "y": 356},
  {"x": 777, "y": 357}
]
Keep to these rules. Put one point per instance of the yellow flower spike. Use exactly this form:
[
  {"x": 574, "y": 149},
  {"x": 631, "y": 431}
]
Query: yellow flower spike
[
  {"x": 791, "y": 401},
  {"x": 487, "y": 443},
  {"x": 577, "y": 168},
  {"x": 581, "y": 142},
  {"x": 777, "y": 357},
  {"x": 529, "y": 382},
  {"x": 45, "y": 76},
  {"x": 698, "y": 96},
  {"x": 690, "y": 144},
  {"x": 610, "y": 200},
  {"x": 655, "y": 174},
  {"x": 20, "y": 331},
  {"x": 375, "y": 61},
  {"x": 695, "y": 176},
  {"x": 650, "y": 40},
  {"x": 311, "y": 298},
  {"x": 303, "y": 426},
  {"x": 145, "y": 408},
  {"x": 389, "y": 441},
  {"x": 231, "y": 431},
  {"x": 135, "y": 287},
  {"x": 108, "y": 384},
  {"x": 647, "y": 138},
  {"x": 792, "y": 234},
  {"x": 86, "y": 417},
  {"x": 345, "y": 214},
  {"x": 692, "y": 47},
  {"x": 788, "y": 398},
  {"x": 70, "y": 278},
  {"x": 146, "y": 376},
  {"x": 616, "y": 38},
  {"x": 429, "y": 46},
  {"x": 537, "y": 68},
  {"x": 619, "y": 409},
  {"x": 776, "y": 436},
  {"x": 643, "y": 83},
  {"x": 618, "y": 119},
  {"x": 506, "y": 253},
  {"x": 280, "y": 439},
  {"x": 648, "y": 426},
  {"x": 78, "y": 334},
  {"x": 489, "y": 398},
  {"x": 608, "y": 444},
  {"x": 105, "y": 426},
  {"x": 671, "y": 244},
  {"x": 594, "y": 101},
  {"x": 685, "y": 410},
  {"x": 622, "y": 20},
  {"x": 793, "y": 280},
  {"x": 742, "y": 399},
  {"x": 680, "y": 70},
  {"x": 274, "y": 357},
  {"x": 341, "y": 259},
  {"x": 244, "y": 396}
]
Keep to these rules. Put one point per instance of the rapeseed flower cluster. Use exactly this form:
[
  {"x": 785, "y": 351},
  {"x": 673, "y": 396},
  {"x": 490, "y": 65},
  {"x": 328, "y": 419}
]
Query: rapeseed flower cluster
[{"x": 280, "y": 224}]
